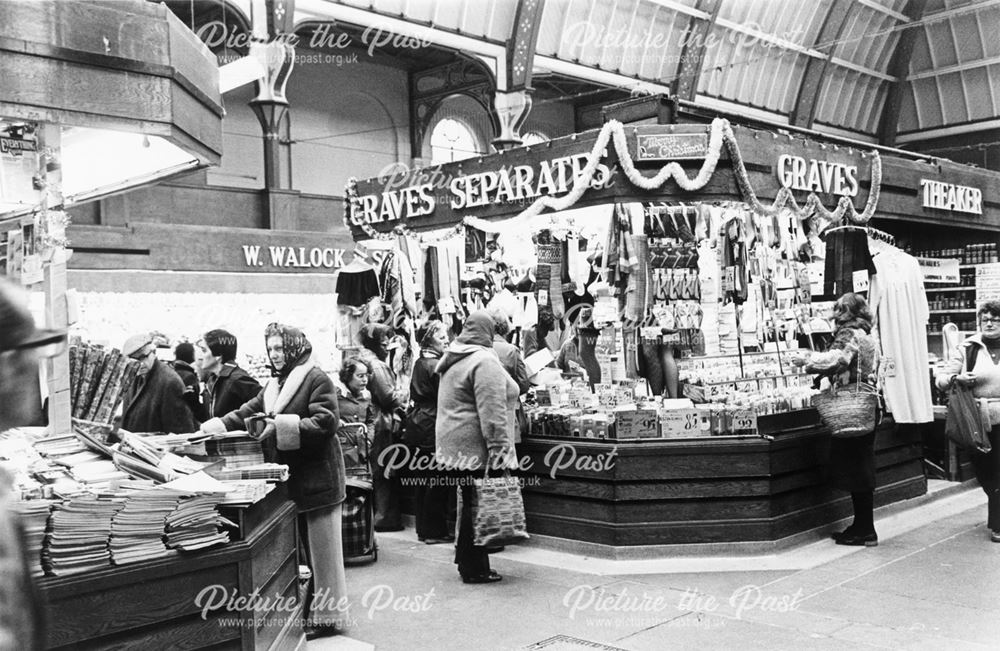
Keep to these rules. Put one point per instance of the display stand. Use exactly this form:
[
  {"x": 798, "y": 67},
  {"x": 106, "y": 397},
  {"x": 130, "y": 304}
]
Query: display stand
[
  {"x": 718, "y": 490},
  {"x": 671, "y": 491},
  {"x": 159, "y": 604}
]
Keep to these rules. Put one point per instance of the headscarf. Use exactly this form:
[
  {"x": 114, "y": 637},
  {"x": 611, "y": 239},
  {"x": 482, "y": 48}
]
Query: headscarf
[
  {"x": 478, "y": 330},
  {"x": 477, "y": 334},
  {"x": 297, "y": 347}
]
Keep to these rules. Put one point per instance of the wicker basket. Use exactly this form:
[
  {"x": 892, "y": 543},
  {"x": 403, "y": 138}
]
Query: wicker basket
[{"x": 848, "y": 411}]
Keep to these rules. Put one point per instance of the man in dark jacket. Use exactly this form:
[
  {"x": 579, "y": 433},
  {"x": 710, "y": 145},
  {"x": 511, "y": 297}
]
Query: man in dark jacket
[
  {"x": 182, "y": 365},
  {"x": 155, "y": 400},
  {"x": 227, "y": 386}
]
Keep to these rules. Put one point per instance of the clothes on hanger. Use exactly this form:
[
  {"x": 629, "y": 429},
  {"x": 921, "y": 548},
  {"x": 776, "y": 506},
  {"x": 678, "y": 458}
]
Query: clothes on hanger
[
  {"x": 846, "y": 253},
  {"x": 356, "y": 283},
  {"x": 734, "y": 260},
  {"x": 899, "y": 302}
]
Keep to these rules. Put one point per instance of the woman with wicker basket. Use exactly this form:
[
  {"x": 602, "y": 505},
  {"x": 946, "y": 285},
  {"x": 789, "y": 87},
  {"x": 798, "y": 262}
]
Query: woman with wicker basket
[{"x": 850, "y": 364}]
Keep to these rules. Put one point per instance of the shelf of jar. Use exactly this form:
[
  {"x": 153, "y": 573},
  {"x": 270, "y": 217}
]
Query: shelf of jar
[
  {"x": 950, "y": 289},
  {"x": 957, "y": 310}
]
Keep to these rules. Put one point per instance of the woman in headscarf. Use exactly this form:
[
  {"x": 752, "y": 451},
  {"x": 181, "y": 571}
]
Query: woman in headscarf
[
  {"x": 474, "y": 428},
  {"x": 430, "y": 494},
  {"x": 301, "y": 432},
  {"x": 388, "y": 401}
]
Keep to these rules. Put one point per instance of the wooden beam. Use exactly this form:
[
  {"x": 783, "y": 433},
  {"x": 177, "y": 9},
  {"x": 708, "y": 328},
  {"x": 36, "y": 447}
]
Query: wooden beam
[
  {"x": 899, "y": 66},
  {"x": 826, "y": 42},
  {"x": 685, "y": 82},
  {"x": 520, "y": 52}
]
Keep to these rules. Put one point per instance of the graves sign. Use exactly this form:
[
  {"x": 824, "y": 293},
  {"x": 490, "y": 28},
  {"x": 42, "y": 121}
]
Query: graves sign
[
  {"x": 508, "y": 184},
  {"x": 798, "y": 173}
]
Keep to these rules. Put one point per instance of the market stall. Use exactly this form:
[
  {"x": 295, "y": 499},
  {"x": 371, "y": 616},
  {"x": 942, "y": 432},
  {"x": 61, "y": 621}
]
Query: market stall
[
  {"x": 96, "y": 100},
  {"x": 683, "y": 263}
]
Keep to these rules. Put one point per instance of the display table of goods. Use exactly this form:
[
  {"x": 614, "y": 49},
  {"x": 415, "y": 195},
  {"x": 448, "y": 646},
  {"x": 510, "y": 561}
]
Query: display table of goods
[
  {"x": 110, "y": 521},
  {"x": 719, "y": 400},
  {"x": 88, "y": 504}
]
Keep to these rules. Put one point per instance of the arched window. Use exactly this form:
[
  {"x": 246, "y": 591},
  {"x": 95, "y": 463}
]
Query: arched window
[
  {"x": 534, "y": 138},
  {"x": 451, "y": 140}
]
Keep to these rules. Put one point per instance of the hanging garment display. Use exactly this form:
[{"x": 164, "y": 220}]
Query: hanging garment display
[
  {"x": 432, "y": 284},
  {"x": 848, "y": 261},
  {"x": 356, "y": 284},
  {"x": 735, "y": 282},
  {"x": 899, "y": 302}
]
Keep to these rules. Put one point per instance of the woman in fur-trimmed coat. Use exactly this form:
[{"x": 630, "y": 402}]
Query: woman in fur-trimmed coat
[
  {"x": 853, "y": 356},
  {"x": 301, "y": 404}
]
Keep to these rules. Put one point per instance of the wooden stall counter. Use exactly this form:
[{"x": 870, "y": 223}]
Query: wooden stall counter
[
  {"x": 159, "y": 604},
  {"x": 704, "y": 490}
]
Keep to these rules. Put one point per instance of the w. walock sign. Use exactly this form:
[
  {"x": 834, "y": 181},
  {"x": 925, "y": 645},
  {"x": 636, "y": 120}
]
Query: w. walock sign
[{"x": 293, "y": 257}]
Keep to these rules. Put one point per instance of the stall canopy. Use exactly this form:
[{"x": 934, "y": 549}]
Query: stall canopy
[
  {"x": 133, "y": 91},
  {"x": 675, "y": 163}
]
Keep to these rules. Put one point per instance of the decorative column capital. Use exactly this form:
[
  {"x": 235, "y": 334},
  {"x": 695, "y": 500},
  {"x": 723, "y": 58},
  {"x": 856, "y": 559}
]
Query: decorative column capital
[{"x": 512, "y": 110}]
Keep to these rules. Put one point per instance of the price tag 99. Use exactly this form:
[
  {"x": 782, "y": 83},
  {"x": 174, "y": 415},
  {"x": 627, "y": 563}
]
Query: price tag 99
[{"x": 744, "y": 420}]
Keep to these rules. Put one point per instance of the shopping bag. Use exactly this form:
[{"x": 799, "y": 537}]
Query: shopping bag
[
  {"x": 848, "y": 411},
  {"x": 499, "y": 513},
  {"x": 965, "y": 424}
]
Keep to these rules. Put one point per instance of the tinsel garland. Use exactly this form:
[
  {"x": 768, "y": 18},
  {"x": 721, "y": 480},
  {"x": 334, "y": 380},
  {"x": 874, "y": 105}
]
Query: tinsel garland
[{"x": 720, "y": 134}]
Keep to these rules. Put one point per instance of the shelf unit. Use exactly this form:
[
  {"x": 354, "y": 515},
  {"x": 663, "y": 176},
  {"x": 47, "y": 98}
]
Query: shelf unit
[
  {"x": 940, "y": 290},
  {"x": 962, "y": 316}
]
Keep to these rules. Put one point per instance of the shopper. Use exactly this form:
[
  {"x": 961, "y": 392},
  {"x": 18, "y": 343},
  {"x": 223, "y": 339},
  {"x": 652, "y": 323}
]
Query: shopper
[
  {"x": 536, "y": 338},
  {"x": 577, "y": 355},
  {"x": 183, "y": 366},
  {"x": 852, "y": 460},
  {"x": 431, "y": 492},
  {"x": 389, "y": 401},
  {"x": 22, "y": 346},
  {"x": 975, "y": 364},
  {"x": 474, "y": 429},
  {"x": 509, "y": 354},
  {"x": 302, "y": 433},
  {"x": 227, "y": 386},
  {"x": 154, "y": 402},
  {"x": 353, "y": 399}
]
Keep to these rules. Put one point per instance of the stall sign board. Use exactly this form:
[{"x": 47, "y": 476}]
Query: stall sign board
[
  {"x": 811, "y": 175},
  {"x": 291, "y": 257},
  {"x": 939, "y": 270},
  {"x": 988, "y": 282},
  {"x": 951, "y": 197},
  {"x": 671, "y": 146}
]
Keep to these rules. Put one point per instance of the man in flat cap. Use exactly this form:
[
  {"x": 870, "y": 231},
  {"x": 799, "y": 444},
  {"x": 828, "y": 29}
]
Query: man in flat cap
[
  {"x": 155, "y": 401},
  {"x": 22, "y": 345}
]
